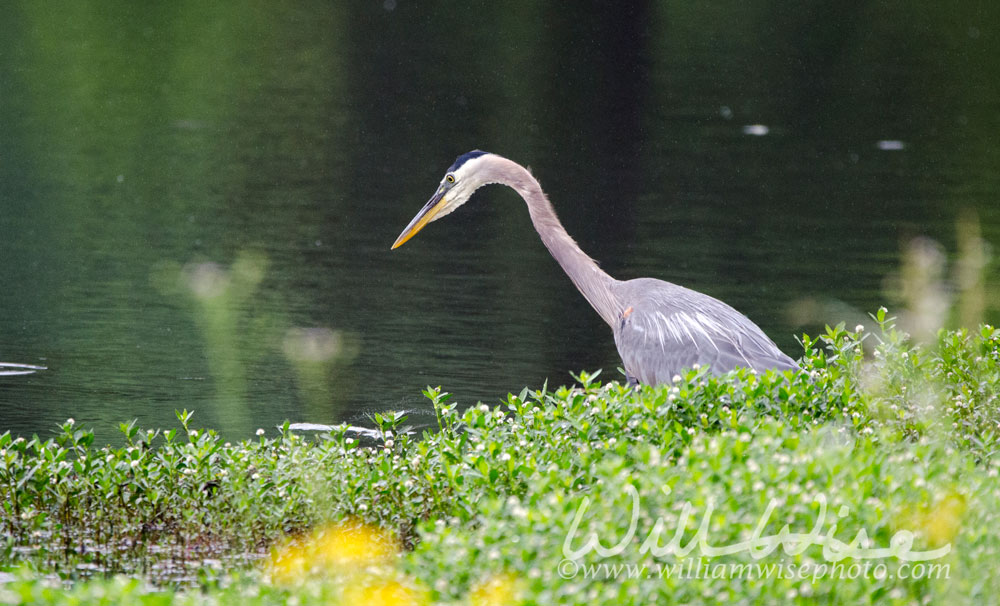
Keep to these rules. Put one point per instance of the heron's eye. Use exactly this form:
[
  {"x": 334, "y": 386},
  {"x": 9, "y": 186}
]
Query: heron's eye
[{"x": 450, "y": 178}]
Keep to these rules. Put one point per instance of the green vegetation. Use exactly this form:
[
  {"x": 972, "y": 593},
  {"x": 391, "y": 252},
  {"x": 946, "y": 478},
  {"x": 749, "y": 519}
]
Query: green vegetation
[{"x": 903, "y": 439}]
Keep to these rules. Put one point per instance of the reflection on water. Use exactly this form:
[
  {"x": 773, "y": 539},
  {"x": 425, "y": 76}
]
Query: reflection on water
[
  {"x": 198, "y": 202},
  {"x": 238, "y": 334},
  {"x": 928, "y": 293},
  {"x": 11, "y": 369},
  {"x": 317, "y": 355},
  {"x": 928, "y": 299},
  {"x": 234, "y": 336}
]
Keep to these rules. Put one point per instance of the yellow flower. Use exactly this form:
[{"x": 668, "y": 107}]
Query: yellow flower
[
  {"x": 940, "y": 523},
  {"x": 943, "y": 522},
  {"x": 341, "y": 548},
  {"x": 384, "y": 592},
  {"x": 354, "y": 543},
  {"x": 288, "y": 564},
  {"x": 498, "y": 590}
]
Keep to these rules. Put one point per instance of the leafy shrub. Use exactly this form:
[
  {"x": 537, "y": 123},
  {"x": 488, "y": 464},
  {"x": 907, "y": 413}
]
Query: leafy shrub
[{"x": 904, "y": 438}]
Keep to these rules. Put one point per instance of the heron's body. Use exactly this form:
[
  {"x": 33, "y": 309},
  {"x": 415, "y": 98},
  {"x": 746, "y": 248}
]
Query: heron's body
[
  {"x": 671, "y": 327},
  {"x": 659, "y": 328}
]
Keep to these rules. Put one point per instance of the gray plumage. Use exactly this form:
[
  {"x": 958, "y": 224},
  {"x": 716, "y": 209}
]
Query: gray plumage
[
  {"x": 659, "y": 328},
  {"x": 670, "y": 328}
]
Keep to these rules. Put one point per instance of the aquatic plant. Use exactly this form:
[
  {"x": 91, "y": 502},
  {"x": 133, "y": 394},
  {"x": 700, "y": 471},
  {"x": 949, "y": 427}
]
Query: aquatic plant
[{"x": 904, "y": 438}]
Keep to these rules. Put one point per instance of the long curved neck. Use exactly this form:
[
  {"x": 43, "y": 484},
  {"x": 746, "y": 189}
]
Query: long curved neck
[{"x": 593, "y": 283}]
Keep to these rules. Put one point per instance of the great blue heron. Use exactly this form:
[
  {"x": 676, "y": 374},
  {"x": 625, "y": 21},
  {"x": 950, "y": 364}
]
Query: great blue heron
[{"x": 659, "y": 328}]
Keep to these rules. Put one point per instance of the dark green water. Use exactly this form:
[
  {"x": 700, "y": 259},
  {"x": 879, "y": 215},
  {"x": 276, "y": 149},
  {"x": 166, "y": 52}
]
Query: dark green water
[{"x": 197, "y": 201}]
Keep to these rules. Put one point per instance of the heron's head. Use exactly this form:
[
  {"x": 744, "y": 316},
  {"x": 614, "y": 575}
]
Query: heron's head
[{"x": 462, "y": 179}]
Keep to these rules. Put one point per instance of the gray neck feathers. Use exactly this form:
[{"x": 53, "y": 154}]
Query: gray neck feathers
[{"x": 593, "y": 283}]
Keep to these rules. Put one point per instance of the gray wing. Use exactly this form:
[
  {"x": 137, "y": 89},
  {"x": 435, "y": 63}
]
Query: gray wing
[{"x": 664, "y": 328}]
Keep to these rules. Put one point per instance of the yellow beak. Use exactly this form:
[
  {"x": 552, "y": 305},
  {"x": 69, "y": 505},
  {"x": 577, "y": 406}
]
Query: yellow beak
[{"x": 426, "y": 214}]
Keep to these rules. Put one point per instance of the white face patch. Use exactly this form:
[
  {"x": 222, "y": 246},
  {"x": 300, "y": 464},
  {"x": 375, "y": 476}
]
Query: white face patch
[{"x": 467, "y": 181}]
